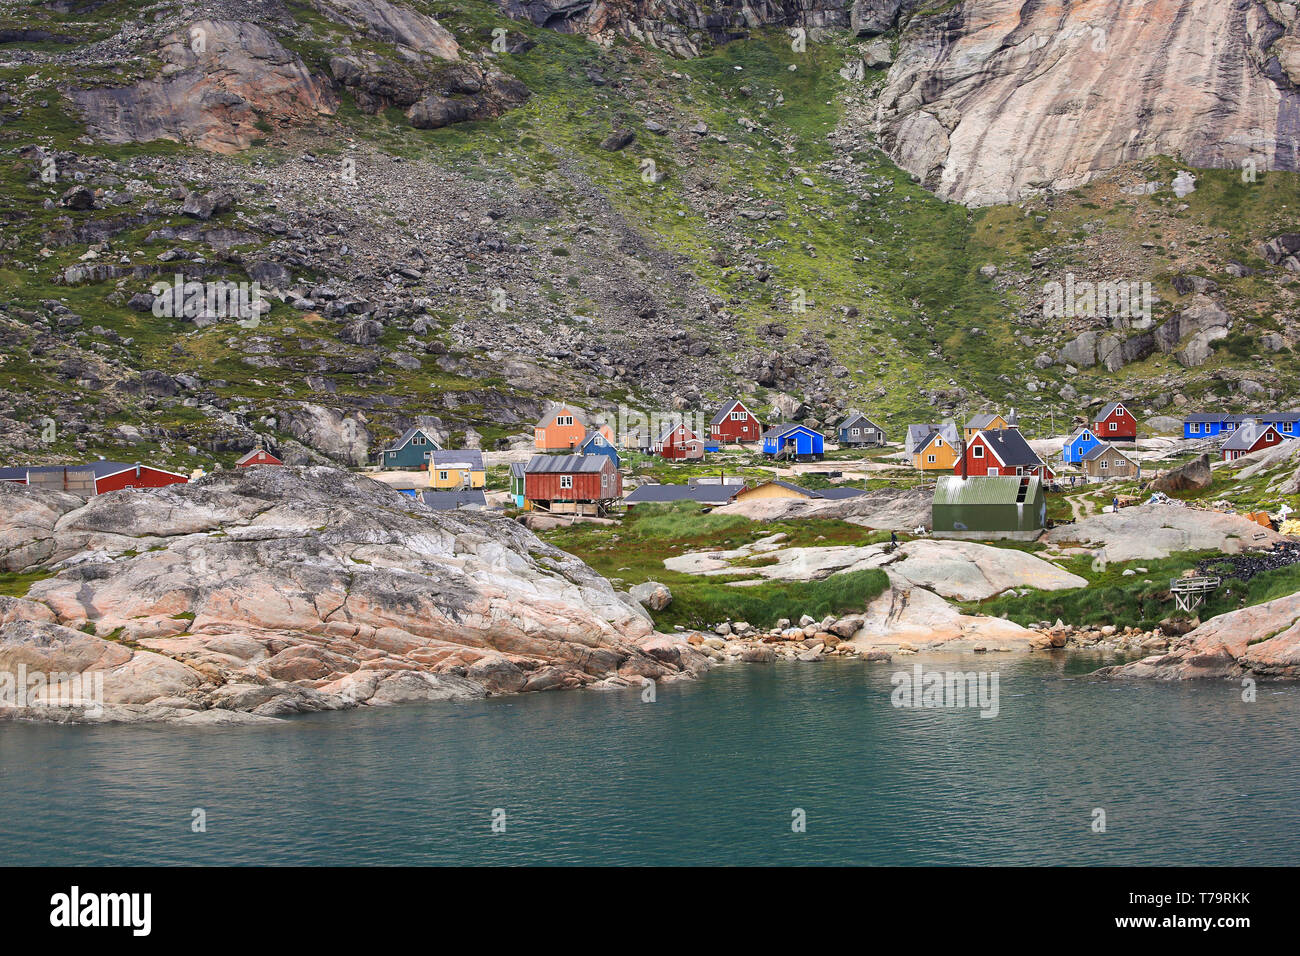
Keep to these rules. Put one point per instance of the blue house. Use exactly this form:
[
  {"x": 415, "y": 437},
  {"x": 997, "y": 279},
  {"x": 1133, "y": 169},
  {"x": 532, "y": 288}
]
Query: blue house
[
  {"x": 1209, "y": 425},
  {"x": 410, "y": 451},
  {"x": 517, "y": 483},
  {"x": 1078, "y": 445},
  {"x": 597, "y": 444},
  {"x": 794, "y": 441}
]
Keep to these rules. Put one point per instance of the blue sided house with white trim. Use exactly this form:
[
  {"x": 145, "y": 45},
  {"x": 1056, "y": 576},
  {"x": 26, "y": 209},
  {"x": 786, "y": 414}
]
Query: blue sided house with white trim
[
  {"x": 1078, "y": 445},
  {"x": 597, "y": 444},
  {"x": 792, "y": 440}
]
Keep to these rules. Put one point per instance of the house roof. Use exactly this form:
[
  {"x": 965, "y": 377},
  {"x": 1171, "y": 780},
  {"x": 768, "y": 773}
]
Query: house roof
[
  {"x": 564, "y": 464},
  {"x": 554, "y": 408},
  {"x": 100, "y": 469},
  {"x": 726, "y": 410},
  {"x": 410, "y": 433},
  {"x": 984, "y": 489},
  {"x": 984, "y": 420},
  {"x": 254, "y": 452},
  {"x": 1107, "y": 411},
  {"x": 453, "y": 499},
  {"x": 672, "y": 427},
  {"x": 517, "y": 469},
  {"x": 1079, "y": 433},
  {"x": 1092, "y": 454},
  {"x": 593, "y": 434},
  {"x": 806, "y": 492},
  {"x": 1009, "y": 446},
  {"x": 776, "y": 431},
  {"x": 918, "y": 436},
  {"x": 705, "y": 494},
  {"x": 854, "y": 419},
  {"x": 1246, "y": 436},
  {"x": 470, "y": 458},
  {"x": 835, "y": 494}
]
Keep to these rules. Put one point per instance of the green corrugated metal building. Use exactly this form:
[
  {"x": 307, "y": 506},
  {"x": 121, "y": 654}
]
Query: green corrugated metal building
[{"x": 988, "y": 506}]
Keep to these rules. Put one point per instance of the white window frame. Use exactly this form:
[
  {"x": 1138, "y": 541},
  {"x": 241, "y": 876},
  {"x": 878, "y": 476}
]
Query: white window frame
[
  {"x": 1103, "y": 464},
  {"x": 930, "y": 460},
  {"x": 566, "y": 481},
  {"x": 993, "y": 470},
  {"x": 977, "y": 451},
  {"x": 444, "y": 475},
  {"x": 1196, "y": 428},
  {"x": 1114, "y": 426},
  {"x": 564, "y": 420}
]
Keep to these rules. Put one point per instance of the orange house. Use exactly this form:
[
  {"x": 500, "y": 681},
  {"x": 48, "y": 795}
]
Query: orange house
[{"x": 561, "y": 429}]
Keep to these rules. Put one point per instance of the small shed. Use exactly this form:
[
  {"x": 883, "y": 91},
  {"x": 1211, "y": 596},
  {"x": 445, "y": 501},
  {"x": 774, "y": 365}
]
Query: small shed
[
  {"x": 989, "y": 507},
  {"x": 1104, "y": 462}
]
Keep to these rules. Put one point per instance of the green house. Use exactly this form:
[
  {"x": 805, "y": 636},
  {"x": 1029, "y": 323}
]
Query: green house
[
  {"x": 410, "y": 451},
  {"x": 989, "y": 506}
]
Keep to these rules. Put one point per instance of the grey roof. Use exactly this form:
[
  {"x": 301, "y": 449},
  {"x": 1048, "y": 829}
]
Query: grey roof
[
  {"x": 410, "y": 433},
  {"x": 1207, "y": 417},
  {"x": 725, "y": 410},
  {"x": 1010, "y": 446},
  {"x": 789, "y": 487},
  {"x": 451, "y": 500},
  {"x": 554, "y": 408},
  {"x": 918, "y": 436},
  {"x": 1105, "y": 412},
  {"x": 453, "y": 457},
  {"x": 983, "y": 420},
  {"x": 563, "y": 464},
  {"x": 517, "y": 469},
  {"x": 595, "y": 433},
  {"x": 835, "y": 494},
  {"x": 13, "y": 474},
  {"x": 780, "y": 429},
  {"x": 856, "y": 417},
  {"x": 705, "y": 494},
  {"x": 1079, "y": 431}
]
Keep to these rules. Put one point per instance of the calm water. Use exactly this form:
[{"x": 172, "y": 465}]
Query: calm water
[{"x": 709, "y": 773}]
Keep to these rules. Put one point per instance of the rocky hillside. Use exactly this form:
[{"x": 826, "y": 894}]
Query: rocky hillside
[
  {"x": 283, "y": 590},
  {"x": 455, "y": 211}
]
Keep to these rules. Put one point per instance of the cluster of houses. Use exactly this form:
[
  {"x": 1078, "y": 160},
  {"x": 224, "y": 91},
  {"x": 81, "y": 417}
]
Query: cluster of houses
[{"x": 1245, "y": 433}]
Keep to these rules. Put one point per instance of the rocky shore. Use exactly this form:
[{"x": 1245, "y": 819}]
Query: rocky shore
[{"x": 264, "y": 592}]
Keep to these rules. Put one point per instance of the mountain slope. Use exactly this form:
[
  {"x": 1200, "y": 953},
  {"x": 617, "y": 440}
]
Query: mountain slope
[{"x": 454, "y": 225}]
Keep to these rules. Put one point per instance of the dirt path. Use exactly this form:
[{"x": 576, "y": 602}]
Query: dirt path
[{"x": 1080, "y": 506}]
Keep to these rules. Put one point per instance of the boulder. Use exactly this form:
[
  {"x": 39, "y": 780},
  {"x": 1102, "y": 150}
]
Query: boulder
[
  {"x": 1192, "y": 476},
  {"x": 652, "y": 594}
]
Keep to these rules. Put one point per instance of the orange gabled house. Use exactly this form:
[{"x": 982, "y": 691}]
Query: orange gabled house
[{"x": 561, "y": 429}]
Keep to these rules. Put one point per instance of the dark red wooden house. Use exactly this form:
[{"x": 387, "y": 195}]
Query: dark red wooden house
[
  {"x": 1001, "y": 451},
  {"x": 258, "y": 456},
  {"x": 1115, "y": 423},
  {"x": 735, "y": 424},
  {"x": 678, "y": 443},
  {"x": 572, "y": 484}
]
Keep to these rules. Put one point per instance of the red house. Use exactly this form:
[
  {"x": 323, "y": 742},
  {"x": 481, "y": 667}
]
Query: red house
[
  {"x": 258, "y": 456},
  {"x": 94, "y": 479},
  {"x": 735, "y": 424},
  {"x": 678, "y": 443},
  {"x": 572, "y": 484},
  {"x": 1115, "y": 423},
  {"x": 1251, "y": 436},
  {"x": 1001, "y": 451},
  {"x": 115, "y": 476}
]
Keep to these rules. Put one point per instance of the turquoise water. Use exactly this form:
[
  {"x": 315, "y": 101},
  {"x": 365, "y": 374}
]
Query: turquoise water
[{"x": 708, "y": 773}]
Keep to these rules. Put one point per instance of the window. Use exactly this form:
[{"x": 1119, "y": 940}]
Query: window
[
  {"x": 993, "y": 470},
  {"x": 442, "y": 476},
  {"x": 1103, "y": 464},
  {"x": 737, "y": 416},
  {"x": 1114, "y": 426},
  {"x": 1119, "y": 412},
  {"x": 1268, "y": 437},
  {"x": 938, "y": 443},
  {"x": 564, "y": 420},
  {"x": 1286, "y": 426},
  {"x": 1196, "y": 428},
  {"x": 566, "y": 481},
  {"x": 930, "y": 460},
  {"x": 977, "y": 451}
]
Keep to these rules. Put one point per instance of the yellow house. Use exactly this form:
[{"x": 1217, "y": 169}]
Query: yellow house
[
  {"x": 456, "y": 469},
  {"x": 934, "y": 447},
  {"x": 983, "y": 423},
  {"x": 773, "y": 489}
]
